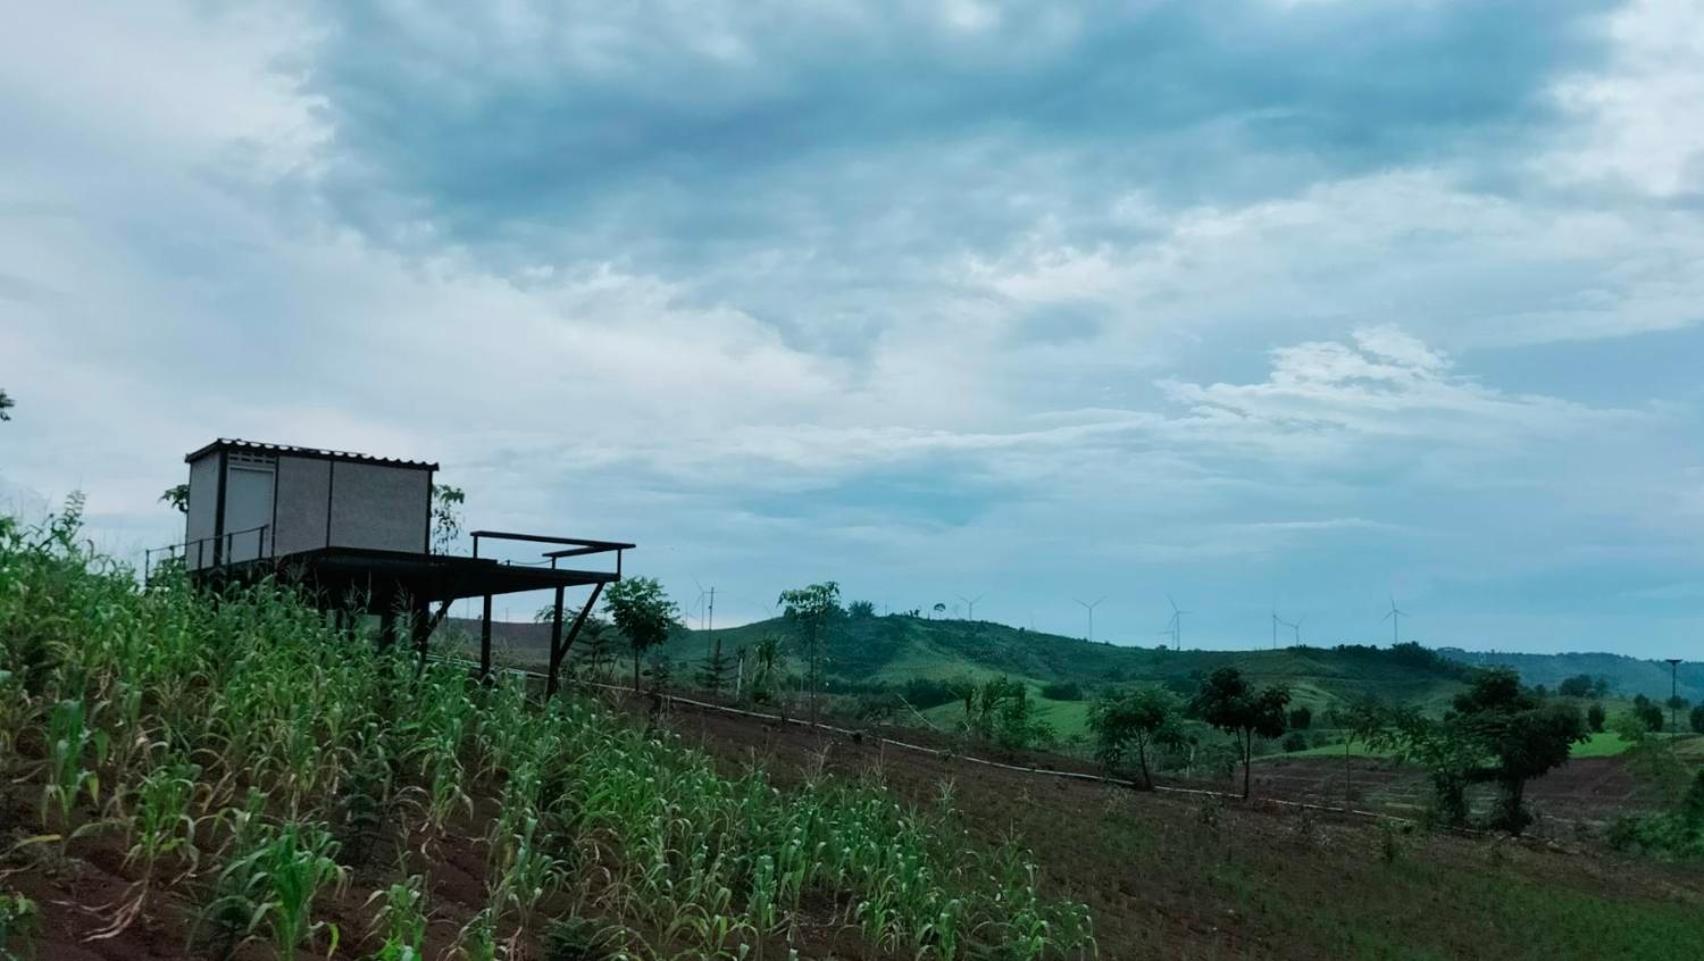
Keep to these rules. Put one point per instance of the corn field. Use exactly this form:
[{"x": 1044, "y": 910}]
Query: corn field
[{"x": 250, "y": 753}]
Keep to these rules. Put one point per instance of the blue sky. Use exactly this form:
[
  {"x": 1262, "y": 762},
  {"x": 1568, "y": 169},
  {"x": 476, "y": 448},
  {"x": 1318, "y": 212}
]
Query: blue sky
[{"x": 1293, "y": 303}]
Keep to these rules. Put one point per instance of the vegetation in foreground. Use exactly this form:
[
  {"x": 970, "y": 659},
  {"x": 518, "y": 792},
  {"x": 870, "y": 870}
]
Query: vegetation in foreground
[{"x": 254, "y": 759}]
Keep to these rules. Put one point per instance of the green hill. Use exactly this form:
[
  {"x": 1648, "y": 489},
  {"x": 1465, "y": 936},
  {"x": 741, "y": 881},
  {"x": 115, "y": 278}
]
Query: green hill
[
  {"x": 1627, "y": 676},
  {"x": 863, "y": 652},
  {"x": 898, "y": 648}
]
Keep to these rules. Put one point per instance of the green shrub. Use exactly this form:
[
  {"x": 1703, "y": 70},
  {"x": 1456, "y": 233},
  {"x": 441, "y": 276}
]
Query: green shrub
[{"x": 1063, "y": 691}]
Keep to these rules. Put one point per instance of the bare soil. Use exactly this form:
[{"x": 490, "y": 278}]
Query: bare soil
[{"x": 1166, "y": 875}]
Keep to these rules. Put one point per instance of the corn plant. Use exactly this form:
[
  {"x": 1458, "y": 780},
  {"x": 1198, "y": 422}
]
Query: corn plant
[
  {"x": 19, "y": 921},
  {"x": 72, "y": 745},
  {"x": 256, "y": 697},
  {"x": 401, "y": 920},
  {"x": 478, "y": 938},
  {"x": 161, "y": 823},
  {"x": 275, "y": 881}
]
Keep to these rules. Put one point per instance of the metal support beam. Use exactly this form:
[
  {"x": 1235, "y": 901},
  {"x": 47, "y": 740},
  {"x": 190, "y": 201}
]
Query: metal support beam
[
  {"x": 438, "y": 618},
  {"x": 485, "y": 641},
  {"x": 559, "y": 657},
  {"x": 555, "y": 646},
  {"x": 421, "y": 624}
]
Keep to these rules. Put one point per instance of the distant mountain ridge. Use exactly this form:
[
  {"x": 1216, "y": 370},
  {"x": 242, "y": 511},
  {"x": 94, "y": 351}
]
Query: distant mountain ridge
[
  {"x": 897, "y": 648},
  {"x": 1628, "y": 676}
]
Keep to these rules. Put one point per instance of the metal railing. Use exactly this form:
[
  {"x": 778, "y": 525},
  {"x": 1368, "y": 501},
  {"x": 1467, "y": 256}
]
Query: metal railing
[
  {"x": 576, "y": 546},
  {"x": 222, "y": 548}
]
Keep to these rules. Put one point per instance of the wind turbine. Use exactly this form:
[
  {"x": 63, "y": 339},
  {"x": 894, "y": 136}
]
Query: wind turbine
[
  {"x": 1091, "y": 609},
  {"x": 970, "y": 605},
  {"x": 1395, "y": 618},
  {"x": 1176, "y": 623},
  {"x": 1297, "y": 627}
]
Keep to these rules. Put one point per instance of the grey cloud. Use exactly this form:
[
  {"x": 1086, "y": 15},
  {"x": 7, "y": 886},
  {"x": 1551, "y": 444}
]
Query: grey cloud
[{"x": 692, "y": 127}]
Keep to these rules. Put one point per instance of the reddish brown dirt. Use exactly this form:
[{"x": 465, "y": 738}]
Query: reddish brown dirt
[
  {"x": 1589, "y": 790},
  {"x": 1099, "y": 844},
  {"x": 1166, "y": 876}
]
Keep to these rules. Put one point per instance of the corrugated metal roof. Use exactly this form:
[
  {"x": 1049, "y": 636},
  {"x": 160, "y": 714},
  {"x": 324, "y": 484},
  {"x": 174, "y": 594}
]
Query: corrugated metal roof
[{"x": 237, "y": 444}]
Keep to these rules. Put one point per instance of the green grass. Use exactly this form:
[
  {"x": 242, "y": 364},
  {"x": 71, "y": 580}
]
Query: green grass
[
  {"x": 1432, "y": 914},
  {"x": 1601, "y": 744},
  {"x": 1356, "y": 749}
]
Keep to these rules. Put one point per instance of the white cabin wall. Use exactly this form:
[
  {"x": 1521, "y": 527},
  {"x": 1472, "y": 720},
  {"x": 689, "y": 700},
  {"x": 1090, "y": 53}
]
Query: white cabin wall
[
  {"x": 203, "y": 510},
  {"x": 304, "y": 484},
  {"x": 379, "y": 508}
]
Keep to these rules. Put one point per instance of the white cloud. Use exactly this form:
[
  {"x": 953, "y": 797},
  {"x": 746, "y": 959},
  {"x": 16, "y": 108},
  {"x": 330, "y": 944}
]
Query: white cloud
[
  {"x": 1388, "y": 384},
  {"x": 1641, "y": 115}
]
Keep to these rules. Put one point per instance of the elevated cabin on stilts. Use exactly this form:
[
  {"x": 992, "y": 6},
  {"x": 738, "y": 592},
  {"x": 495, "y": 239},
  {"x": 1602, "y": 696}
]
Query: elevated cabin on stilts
[{"x": 356, "y": 532}]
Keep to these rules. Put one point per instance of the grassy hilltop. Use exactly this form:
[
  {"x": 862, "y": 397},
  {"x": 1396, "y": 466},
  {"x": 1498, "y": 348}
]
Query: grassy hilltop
[
  {"x": 894, "y": 649},
  {"x": 897, "y": 648}
]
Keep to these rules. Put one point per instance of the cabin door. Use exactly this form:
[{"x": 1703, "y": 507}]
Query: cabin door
[{"x": 248, "y": 509}]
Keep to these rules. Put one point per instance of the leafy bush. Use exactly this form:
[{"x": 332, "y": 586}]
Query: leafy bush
[
  {"x": 1295, "y": 741},
  {"x": 1595, "y": 717},
  {"x": 1129, "y": 723},
  {"x": 1062, "y": 691},
  {"x": 927, "y": 692},
  {"x": 1677, "y": 834},
  {"x": 1649, "y": 713}
]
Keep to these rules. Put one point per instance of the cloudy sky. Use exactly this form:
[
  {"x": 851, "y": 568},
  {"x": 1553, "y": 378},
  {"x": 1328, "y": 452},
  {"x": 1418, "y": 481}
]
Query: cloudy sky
[{"x": 1301, "y": 304}]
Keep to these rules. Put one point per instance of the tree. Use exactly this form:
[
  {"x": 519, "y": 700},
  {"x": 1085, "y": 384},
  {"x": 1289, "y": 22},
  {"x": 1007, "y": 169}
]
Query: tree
[
  {"x": 1000, "y": 710},
  {"x": 861, "y": 610},
  {"x": 768, "y": 659},
  {"x": 1525, "y": 734},
  {"x": 1363, "y": 719},
  {"x": 178, "y": 497},
  {"x": 1648, "y": 712},
  {"x": 1580, "y": 685},
  {"x": 1231, "y": 704},
  {"x": 713, "y": 673},
  {"x": 1653, "y": 760},
  {"x": 1696, "y": 719},
  {"x": 595, "y": 646},
  {"x": 811, "y": 608},
  {"x": 1301, "y": 718},
  {"x": 6, "y": 405},
  {"x": 939, "y": 609},
  {"x": 446, "y": 516},
  {"x": 1127, "y": 723},
  {"x": 1595, "y": 717},
  {"x": 1496, "y": 732},
  {"x": 642, "y": 613}
]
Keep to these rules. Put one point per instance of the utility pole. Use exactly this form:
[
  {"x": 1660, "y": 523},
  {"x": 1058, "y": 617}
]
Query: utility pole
[{"x": 1674, "y": 695}]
